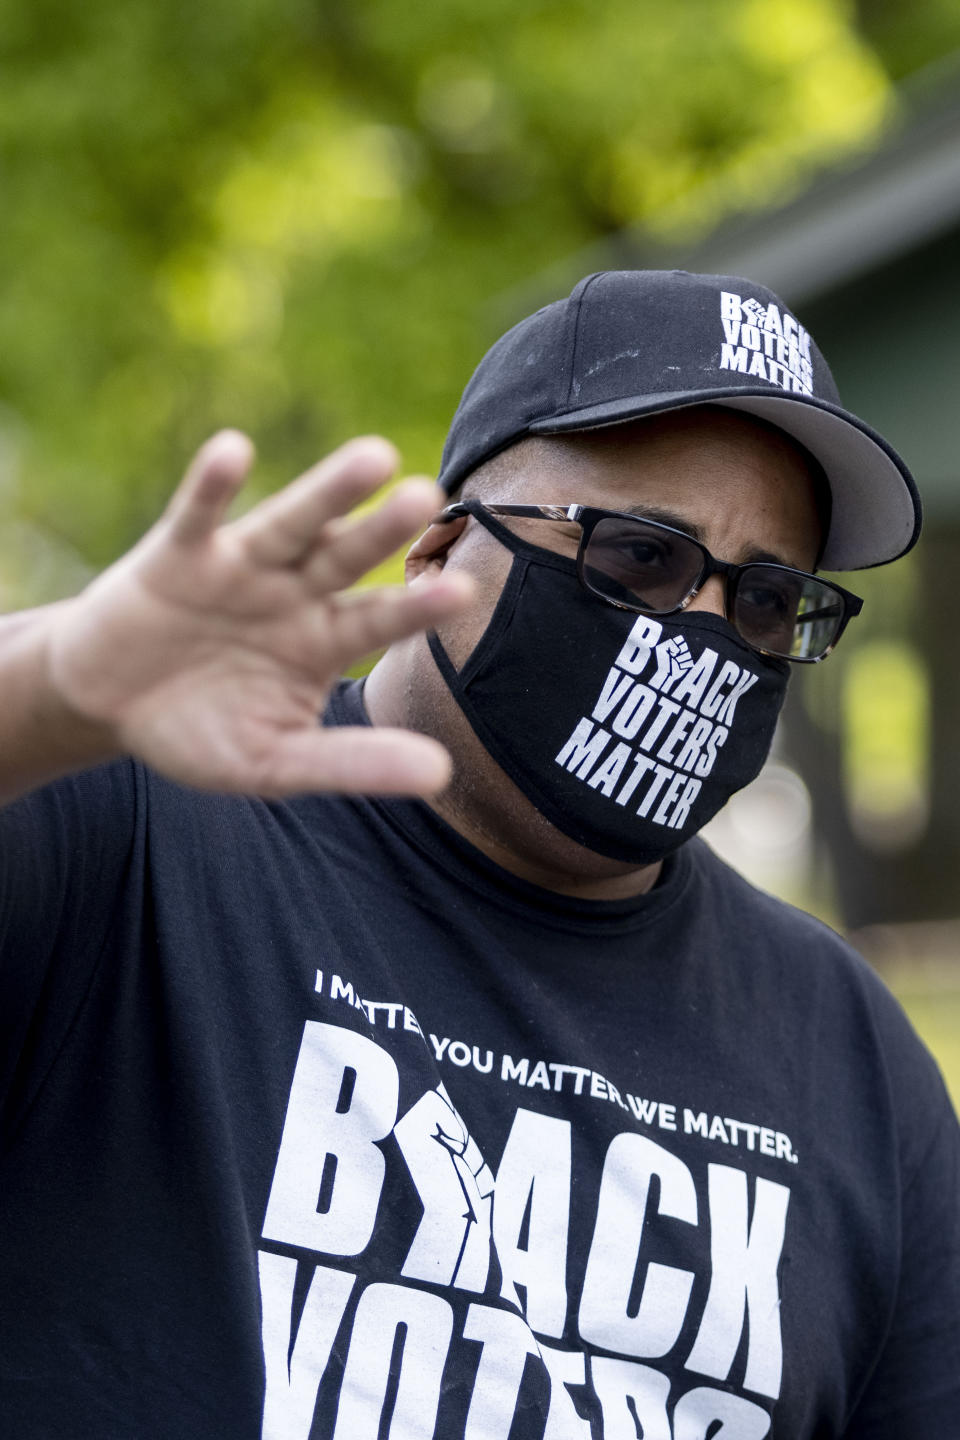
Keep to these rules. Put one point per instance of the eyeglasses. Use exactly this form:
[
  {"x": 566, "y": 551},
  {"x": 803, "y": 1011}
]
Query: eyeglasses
[{"x": 646, "y": 566}]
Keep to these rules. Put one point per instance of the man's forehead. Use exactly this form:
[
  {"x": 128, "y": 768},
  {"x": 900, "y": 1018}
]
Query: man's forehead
[
  {"x": 727, "y": 479},
  {"x": 625, "y": 456}
]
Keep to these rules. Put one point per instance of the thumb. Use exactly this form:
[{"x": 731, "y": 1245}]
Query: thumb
[{"x": 355, "y": 761}]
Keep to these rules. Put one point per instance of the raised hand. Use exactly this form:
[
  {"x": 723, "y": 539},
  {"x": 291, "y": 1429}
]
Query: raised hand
[{"x": 209, "y": 649}]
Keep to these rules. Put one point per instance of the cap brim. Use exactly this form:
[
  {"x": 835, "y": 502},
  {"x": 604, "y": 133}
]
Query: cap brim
[{"x": 876, "y": 510}]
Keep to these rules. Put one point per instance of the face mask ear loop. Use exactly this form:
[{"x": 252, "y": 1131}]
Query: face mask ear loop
[
  {"x": 454, "y": 678},
  {"x": 489, "y": 522},
  {"x": 513, "y": 542},
  {"x": 442, "y": 661}
]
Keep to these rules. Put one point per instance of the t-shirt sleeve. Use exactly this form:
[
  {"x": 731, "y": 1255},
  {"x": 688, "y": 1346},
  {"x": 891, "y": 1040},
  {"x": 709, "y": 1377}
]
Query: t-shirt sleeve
[
  {"x": 914, "y": 1389},
  {"x": 64, "y": 850}
]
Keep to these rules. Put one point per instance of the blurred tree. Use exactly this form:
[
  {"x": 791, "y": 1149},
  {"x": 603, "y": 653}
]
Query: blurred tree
[
  {"x": 291, "y": 214},
  {"x": 909, "y": 37},
  {"x": 307, "y": 218}
]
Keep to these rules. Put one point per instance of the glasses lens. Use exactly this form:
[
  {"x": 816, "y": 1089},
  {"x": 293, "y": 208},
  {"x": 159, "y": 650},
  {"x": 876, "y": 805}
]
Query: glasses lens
[
  {"x": 641, "y": 565},
  {"x": 785, "y": 612}
]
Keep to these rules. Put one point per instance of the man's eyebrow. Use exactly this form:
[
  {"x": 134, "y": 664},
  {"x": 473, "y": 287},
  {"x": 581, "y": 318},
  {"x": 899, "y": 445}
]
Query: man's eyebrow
[
  {"x": 667, "y": 517},
  {"x": 696, "y": 532}
]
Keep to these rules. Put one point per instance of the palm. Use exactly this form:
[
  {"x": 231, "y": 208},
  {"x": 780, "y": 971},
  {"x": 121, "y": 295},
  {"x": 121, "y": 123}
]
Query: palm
[{"x": 210, "y": 647}]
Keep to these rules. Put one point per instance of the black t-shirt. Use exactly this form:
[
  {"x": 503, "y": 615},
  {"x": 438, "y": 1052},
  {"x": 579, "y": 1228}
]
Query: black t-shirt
[{"x": 317, "y": 1123}]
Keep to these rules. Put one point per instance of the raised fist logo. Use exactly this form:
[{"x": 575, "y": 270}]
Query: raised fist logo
[
  {"x": 754, "y": 311},
  {"x": 673, "y": 659}
]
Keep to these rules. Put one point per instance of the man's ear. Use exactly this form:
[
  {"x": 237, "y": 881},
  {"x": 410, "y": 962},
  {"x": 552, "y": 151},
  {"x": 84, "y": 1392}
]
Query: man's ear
[{"x": 428, "y": 555}]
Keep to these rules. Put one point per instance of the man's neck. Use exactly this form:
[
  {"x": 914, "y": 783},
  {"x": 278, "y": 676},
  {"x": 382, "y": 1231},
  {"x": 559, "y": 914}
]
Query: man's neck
[
  {"x": 635, "y": 881},
  {"x": 483, "y": 806}
]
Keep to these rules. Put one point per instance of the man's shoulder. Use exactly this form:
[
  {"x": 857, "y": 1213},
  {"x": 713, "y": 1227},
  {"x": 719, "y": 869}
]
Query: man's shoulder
[
  {"x": 816, "y": 969},
  {"x": 807, "y": 956},
  {"x": 735, "y": 899}
]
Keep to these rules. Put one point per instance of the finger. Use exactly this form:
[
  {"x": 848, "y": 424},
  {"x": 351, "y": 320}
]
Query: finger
[
  {"x": 282, "y": 529},
  {"x": 214, "y": 476},
  {"x": 350, "y": 548},
  {"x": 365, "y": 620},
  {"x": 355, "y": 761}
]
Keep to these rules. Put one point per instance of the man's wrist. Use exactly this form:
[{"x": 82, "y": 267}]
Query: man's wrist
[{"x": 42, "y": 735}]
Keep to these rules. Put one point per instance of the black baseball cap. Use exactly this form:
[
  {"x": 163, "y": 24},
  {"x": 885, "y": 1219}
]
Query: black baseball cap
[{"x": 629, "y": 343}]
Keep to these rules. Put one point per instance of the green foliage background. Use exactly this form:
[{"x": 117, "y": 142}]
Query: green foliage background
[{"x": 308, "y": 217}]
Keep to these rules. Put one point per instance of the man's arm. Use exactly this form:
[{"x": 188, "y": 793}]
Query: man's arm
[
  {"x": 208, "y": 650},
  {"x": 39, "y": 737}
]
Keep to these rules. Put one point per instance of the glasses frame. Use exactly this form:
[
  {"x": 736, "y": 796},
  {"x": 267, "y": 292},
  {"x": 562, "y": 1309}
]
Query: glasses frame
[{"x": 589, "y": 516}]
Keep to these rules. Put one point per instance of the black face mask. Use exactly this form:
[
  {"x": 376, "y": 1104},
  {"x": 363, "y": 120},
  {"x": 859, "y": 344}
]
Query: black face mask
[{"x": 628, "y": 733}]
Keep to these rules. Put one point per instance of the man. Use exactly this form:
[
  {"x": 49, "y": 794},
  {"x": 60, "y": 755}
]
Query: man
[{"x": 511, "y": 1113}]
